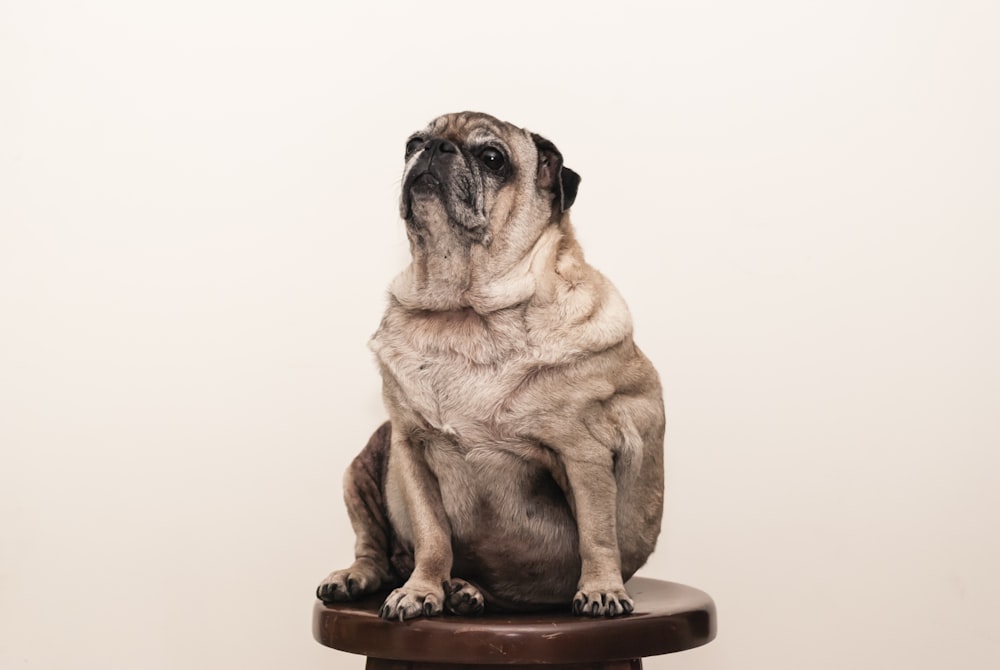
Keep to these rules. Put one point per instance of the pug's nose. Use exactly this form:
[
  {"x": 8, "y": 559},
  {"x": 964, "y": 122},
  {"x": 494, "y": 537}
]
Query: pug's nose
[{"x": 443, "y": 146}]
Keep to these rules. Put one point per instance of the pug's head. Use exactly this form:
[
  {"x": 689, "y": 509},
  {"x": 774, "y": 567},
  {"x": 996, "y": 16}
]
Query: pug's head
[
  {"x": 478, "y": 194},
  {"x": 472, "y": 174}
]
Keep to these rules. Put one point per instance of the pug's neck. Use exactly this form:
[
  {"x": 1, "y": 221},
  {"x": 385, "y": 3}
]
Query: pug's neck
[{"x": 454, "y": 275}]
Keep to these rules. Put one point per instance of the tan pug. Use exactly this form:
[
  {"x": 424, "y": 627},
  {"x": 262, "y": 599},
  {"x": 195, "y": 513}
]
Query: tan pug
[{"x": 522, "y": 466}]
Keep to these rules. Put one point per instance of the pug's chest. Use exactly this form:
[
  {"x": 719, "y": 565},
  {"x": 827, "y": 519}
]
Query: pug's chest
[
  {"x": 460, "y": 373},
  {"x": 455, "y": 396}
]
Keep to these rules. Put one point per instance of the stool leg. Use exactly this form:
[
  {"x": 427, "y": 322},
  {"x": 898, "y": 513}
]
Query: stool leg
[{"x": 383, "y": 664}]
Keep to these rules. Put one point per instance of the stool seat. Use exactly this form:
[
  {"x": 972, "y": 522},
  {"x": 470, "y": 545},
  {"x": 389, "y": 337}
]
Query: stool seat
[{"x": 668, "y": 617}]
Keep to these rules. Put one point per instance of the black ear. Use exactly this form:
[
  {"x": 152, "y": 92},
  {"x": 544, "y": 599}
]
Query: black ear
[
  {"x": 569, "y": 183},
  {"x": 553, "y": 176}
]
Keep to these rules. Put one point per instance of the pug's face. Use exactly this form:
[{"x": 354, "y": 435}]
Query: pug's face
[{"x": 474, "y": 179}]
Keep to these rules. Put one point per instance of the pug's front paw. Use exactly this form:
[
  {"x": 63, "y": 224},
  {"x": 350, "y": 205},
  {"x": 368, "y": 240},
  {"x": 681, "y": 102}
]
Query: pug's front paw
[
  {"x": 412, "y": 600},
  {"x": 595, "y": 603}
]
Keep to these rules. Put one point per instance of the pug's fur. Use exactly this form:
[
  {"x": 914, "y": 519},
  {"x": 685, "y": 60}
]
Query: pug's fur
[{"x": 522, "y": 466}]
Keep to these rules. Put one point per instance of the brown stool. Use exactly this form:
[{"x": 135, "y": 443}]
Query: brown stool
[{"x": 668, "y": 617}]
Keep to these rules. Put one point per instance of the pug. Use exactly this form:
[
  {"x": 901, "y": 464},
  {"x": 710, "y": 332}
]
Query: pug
[{"x": 522, "y": 464}]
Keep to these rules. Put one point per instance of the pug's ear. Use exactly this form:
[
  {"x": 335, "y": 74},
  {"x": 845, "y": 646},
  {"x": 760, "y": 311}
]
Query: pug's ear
[{"x": 553, "y": 175}]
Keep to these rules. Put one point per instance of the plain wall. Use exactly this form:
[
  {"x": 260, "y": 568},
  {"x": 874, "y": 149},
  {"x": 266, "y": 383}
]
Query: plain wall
[{"x": 198, "y": 221}]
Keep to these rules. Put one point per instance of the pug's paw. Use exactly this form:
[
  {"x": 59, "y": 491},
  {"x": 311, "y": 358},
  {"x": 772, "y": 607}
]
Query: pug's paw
[
  {"x": 464, "y": 598},
  {"x": 413, "y": 600},
  {"x": 595, "y": 603},
  {"x": 361, "y": 578}
]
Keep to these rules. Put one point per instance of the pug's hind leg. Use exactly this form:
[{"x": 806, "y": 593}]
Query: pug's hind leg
[
  {"x": 351, "y": 583},
  {"x": 366, "y": 508},
  {"x": 463, "y": 598}
]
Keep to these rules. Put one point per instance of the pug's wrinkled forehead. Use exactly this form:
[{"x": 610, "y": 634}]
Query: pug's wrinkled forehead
[
  {"x": 475, "y": 128},
  {"x": 466, "y": 124}
]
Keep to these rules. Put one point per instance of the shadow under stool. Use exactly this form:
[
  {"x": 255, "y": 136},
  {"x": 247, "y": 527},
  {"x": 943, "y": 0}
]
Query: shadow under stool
[{"x": 668, "y": 618}]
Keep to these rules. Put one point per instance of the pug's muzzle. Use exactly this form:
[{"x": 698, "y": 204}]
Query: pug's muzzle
[
  {"x": 441, "y": 172},
  {"x": 432, "y": 169}
]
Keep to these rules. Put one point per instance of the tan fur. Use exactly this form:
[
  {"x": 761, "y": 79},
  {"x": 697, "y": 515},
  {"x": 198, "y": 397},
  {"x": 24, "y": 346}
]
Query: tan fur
[{"x": 526, "y": 426}]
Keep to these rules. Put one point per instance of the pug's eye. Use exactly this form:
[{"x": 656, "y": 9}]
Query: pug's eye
[
  {"x": 493, "y": 159},
  {"x": 412, "y": 146}
]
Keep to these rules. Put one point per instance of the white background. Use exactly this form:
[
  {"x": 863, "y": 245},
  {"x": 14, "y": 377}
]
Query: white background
[{"x": 198, "y": 221}]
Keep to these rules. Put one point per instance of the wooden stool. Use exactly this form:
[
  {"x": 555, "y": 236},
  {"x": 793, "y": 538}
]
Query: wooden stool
[{"x": 668, "y": 617}]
